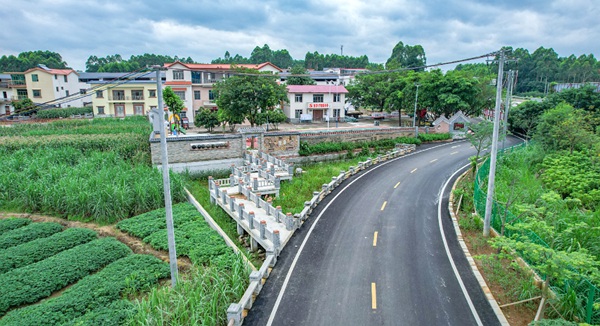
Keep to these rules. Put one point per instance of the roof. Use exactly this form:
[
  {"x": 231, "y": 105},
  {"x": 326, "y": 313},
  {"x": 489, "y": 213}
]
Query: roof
[
  {"x": 317, "y": 89},
  {"x": 221, "y": 66},
  {"x": 53, "y": 71},
  {"x": 5, "y": 76}
]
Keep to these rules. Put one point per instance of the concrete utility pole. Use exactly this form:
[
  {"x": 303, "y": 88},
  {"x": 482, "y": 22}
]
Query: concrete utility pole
[
  {"x": 509, "y": 90},
  {"x": 166, "y": 180},
  {"x": 494, "y": 153},
  {"x": 415, "y": 113}
]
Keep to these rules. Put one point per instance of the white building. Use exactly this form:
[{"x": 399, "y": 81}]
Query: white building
[
  {"x": 6, "y": 95},
  {"x": 315, "y": 102}
]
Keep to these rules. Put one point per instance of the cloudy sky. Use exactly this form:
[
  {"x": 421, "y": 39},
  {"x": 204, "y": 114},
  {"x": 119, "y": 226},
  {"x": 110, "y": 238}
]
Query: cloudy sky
[{"x": 447, "y": 29}]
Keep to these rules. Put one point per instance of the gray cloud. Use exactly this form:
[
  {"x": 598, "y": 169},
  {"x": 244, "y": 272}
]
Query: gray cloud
[{"x": 204, "y": 30}]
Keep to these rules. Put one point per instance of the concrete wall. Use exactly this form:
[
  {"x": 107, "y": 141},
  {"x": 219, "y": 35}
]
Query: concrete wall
[
  {"x": 213, "y": 147},
  {"x": 355, "y": 135}
]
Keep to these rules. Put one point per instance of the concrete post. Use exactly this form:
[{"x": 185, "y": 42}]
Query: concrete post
[
  {"x": 240, "y": 229},
  {"x": 273, "y": 170},
  {"x": 307, "y": 204},
  {"x": 276, "y": 241},
  {"x": 235, "y": 312},
  {"x": 352, "y": 170},
  {"x": 277, "y": 182},
  {"x": 289, "y": 222},
  {"x": 232, "y": 203},
  {"x": 249, "y": 193},
  {"x": 269, "y": 206},
  {"x": 224, "y": 196},
  {"x": 232, "y": 168},
  {"x": 262, "y": 229},
  {"x": 257, "y": 200},
  {"x": 251, "y": 220},
  {"x": 324, "y": 188},
  {"x": 216, "y": 185},
  {"x": 256, "y": 277},
  {"x": 210, "y": 183},
  {"x": 291, "y": 169},
  {"x": 277, "y": 211},
  {"x": 253, "y": 244},
  {"x": 255, "y": 184},
  {"x": 231, "y": 180},
  {"x": 241, "y": 211},
  {"x": 241, "y": 186}
]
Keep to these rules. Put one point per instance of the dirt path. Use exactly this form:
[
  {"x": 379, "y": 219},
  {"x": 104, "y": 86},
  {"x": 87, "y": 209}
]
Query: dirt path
[{"x": 136, "y": 245}]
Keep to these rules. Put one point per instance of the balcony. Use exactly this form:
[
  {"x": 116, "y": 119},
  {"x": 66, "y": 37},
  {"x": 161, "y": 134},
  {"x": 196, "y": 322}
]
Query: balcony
[
  {"x": 17, "y": 83},
  {"x": 123, "y": 98}
]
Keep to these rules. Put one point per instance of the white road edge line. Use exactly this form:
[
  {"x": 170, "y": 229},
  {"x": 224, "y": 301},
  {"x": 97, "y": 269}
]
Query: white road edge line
[
  {"x": 312, "y": 227},
  {"x": 460, "y": 282}
]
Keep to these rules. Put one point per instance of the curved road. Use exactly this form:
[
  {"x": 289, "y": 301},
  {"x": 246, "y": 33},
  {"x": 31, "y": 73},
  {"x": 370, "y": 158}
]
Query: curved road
[{"x": 373, "y": 253}]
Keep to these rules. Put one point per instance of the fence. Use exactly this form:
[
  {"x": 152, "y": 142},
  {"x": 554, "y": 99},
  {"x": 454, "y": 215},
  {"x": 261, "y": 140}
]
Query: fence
[{"x": 587, "y": 293}]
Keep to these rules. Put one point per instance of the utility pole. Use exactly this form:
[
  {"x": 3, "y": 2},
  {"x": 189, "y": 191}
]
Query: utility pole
[
  {"x": 166, "y": 180},
  {"x": 415, "y": 113},
  {"x": 509, "y": 90},
  {"x": 342, "y": 50},
  {"x": 494, "y": 153}
]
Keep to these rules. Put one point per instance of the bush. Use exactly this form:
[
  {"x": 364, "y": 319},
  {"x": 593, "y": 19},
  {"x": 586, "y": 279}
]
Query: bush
[
  {"x": 94, "y": 293},
  {"x": 12, "y": 223},
  {"x": 332, "y": 147},
  {"x": 434, "y": 137},
  {"x": 37, "y": 281},
  {"x": 63, "y": 112},
  {"x": 40, "y": 249},
  {"x": 28, "y": 233}
]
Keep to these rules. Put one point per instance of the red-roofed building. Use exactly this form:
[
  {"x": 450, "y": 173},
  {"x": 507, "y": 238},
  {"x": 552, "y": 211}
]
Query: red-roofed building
[
  {"x": 48, "y": 86},
  {"x": 315, "y": 102},
  {"x": 193, "y": 82}
]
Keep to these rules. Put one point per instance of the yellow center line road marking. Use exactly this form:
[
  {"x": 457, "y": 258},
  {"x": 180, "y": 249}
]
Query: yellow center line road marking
[
  {"x": 397, "y": 184},
  {"x": 453, "y": 153},
  {"x": 383, "y": 206},
  {"x": 373, "y": 296},
  {"x": 375, "y": 239},
  {"x": 433, "y": 160},
  {"x": 413, "y": 171}
]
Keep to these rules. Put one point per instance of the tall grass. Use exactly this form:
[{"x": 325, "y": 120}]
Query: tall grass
[{"x": 200, "y": 298}]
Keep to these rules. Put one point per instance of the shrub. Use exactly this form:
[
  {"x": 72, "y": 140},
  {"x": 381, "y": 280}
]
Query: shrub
[
  {"x": 93, "y": 293},
  {"x": 332, "y": 147},
  {"x": 63, "y": 112},
  {"x": 434, "y": 137},
  {"x": 13, "y": 223},
  {"x": 37, "y": 281},
  {"x": 40, "y": 249},
  {"x": 28, "y": 233}
]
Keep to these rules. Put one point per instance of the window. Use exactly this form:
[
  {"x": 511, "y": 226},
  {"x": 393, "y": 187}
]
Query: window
[
  {"x": 298, "y": 98},
  {"x": 151, "y": 93},
  {"x": 177, "y": 74},
  {"x": 211, "y": 95},
  {"x": 4, "y": 95},
  {"x": 21, "y": 94},
  {"x": 118, "y": 95},
  {"x": 336, "y": 97},
  {"x": 210, "y": 77},
  {"x": 137, "y": 95},
  {"x": 120, "y": 110},
  {"x": 57, "y": 89},
  {"x": 318, "y": 98},
  {"x": 196, "y": 95},
  {"x": 336, "y": 113},
  {"x": 138, "y": 109},
  {"x": 99, "y": 94},
  {"x": 82, "y": 91},
  {"x": 55, "y": 77},
  {"x": 37, "y": 93},
  {"x": 298, "y": 113},
  {"x": 67, "y": 92},
  {"x": 65, "y": 78},
  {"x": 34, "y": 77},
  {"x": 100, "y": 110},
  {"x": 196, "y": 78},
  {"x": 181, "y": 94}
]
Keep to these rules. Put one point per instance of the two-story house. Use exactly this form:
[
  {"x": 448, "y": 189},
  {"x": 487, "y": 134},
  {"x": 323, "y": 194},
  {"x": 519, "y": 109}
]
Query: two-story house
[
  {"x": 315, "y": 102},
  {"x": 53, "y": 87},
  {"x": 6, "y": 96}
]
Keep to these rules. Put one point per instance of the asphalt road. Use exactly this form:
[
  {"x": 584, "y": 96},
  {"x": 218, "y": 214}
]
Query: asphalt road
[{"x": 373, "y": 253}]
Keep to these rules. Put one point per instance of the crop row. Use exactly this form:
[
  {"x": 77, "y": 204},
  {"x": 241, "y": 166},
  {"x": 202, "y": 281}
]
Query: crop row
[
  {"x": 37, "y": 281},
  {"x": 12, "y": 223},
  {"x": 98, "y": 186},
  {"x": 42, "y": 248},
  {"x": 27, "y": 233},
  {"x": 86, "y": 302},
  {"x": 63, "y": 112},
  {"x": 193, "y": 237},
  {"x": 129, "y": 125}
]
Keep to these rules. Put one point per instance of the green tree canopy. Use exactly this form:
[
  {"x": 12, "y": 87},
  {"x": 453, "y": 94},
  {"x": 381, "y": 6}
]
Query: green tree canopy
[
  {"x": 249, "y": 93},
  {"x": 30, "y": 59},
  {"x": 299, "y": 80},
  {"x": 565, "y": 128},
  {"x": 406, "y": 56}
]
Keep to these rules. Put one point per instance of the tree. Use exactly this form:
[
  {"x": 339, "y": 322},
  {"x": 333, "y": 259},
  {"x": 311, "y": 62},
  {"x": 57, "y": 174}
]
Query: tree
[
  {"x": 174, "y": 103},
  {"x": 23, "y": 105},
  {"x": 564, "y": 128},
  {"x": 273, "y": 117},
  {"x": 406, "y": 56},
  {"x": 524, "y": 118},
  {"x": 206, "y": 118},
  {"x": 371, "y": 91},
  {"x": 480, "y": 136},
  {"x": 299, "y": 77},
  {"x": 31, "y": 59},
  {"x": 248, "y": 93}
]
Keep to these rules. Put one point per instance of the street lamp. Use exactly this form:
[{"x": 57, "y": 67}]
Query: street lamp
[{"x": 415, "y": 113}]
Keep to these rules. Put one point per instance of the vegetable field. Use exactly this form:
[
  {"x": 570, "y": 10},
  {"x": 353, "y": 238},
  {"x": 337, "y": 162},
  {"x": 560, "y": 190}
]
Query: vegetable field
[
  {"x": 95, "y": 170},
  {"x": 100, "y": 270}
]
